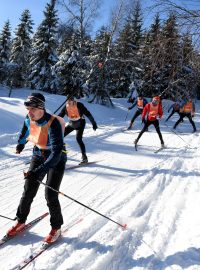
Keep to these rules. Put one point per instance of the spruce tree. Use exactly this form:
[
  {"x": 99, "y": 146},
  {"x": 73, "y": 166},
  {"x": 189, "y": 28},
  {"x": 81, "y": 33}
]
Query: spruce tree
[
  {"x": 101, "y": 71},
  {"x": 73, "y": 66},
  {"x": 44, "y": 55},
  {"x": 21, "y": 49},
  {"x": 128, "y": 64},
  {"x": 5, "y": 46}
]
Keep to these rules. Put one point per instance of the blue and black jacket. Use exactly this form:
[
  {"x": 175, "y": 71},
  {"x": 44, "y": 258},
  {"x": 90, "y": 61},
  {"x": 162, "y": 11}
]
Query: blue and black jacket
[
  {"x": 135, "y": 103},
  {"x": 55, "y": 145}
]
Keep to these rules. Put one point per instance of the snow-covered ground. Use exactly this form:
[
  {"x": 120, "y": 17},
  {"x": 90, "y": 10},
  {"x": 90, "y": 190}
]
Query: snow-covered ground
[{"x": 156, "y": 195}]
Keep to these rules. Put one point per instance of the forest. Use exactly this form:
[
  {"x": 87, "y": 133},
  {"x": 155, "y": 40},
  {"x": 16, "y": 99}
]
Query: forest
[{"x": 63, "y": 57}]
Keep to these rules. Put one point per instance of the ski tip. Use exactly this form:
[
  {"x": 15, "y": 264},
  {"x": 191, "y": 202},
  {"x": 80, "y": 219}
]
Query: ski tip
[
  {"x": 135, "y": 148},
  {"x": 124, "y": 227}
]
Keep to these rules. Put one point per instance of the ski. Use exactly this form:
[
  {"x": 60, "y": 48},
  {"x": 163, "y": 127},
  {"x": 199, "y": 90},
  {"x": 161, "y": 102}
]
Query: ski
[
  {"x": 37, "y": 252},
  {"x": 43, "y": 246},
  {"x": 159, "y": 149},
  {"x": 6, "y": 238},
  {"x": 136, "y": 146},
  {"x": 130, "y": 131},
  {"x": 80, "y": 165}
]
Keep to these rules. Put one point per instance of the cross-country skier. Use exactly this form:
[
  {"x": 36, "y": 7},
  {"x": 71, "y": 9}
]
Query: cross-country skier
[
  {"x": 153, "y": 110},
  {"x": 187, "y": 109},
  {"x": 75, "y": 112},
  {"x": 140, "y": 102},
  {"x": 45, "y": 131}
]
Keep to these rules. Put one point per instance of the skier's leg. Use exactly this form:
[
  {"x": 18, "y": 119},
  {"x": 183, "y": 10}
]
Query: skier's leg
[
  {"x": 179, "y": 120},
  {"x": 30, "y": 190},
  {"x": 170, "y": 115},
  {"x": 54, "y": 179},
  {"x": 157, "y": 127},
  {"x": 147, "y": 124},
  {"x": 136, "y": 114},
  {"x": 192, "y": 122},
  {"x": 79, "y": 138},
  {"x": 68, "y": 129}
]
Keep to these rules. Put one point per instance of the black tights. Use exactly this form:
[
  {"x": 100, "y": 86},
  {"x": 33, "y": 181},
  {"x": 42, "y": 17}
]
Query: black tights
[
  {"x": 156, "y": 125},
  {"x": 188, "y": 115},
  {"x": 54, "y": 178},
  {"x": 79, "y": 136}
]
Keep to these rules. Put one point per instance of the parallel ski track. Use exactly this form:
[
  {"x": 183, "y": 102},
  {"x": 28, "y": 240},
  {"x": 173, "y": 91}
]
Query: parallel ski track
[{"x": 144, "y": 207}]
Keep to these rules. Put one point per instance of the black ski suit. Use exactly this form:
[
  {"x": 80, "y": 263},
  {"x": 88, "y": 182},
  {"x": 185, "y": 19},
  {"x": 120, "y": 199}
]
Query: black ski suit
[
  {"x": 184, "y": 114},
  {"x": 78, "y": 125}
]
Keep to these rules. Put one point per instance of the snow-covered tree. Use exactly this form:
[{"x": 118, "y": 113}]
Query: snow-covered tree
[
  {"x": 44, "y": 55},
  {"x": 126, "y": 52},
  {"x": 101, "y": 69},
  {"x": 21, "y": 49},
  {"x": 72, "y": 70},
  {"x": 5, "y": 47}
]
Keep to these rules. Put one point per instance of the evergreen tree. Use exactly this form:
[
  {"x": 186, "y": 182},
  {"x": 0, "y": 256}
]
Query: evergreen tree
[
  {"x": 165, "y": 54},
  {"x": 21, "y": 49},
  {"x": 44, "y": 55},
  {"x": 128, "y": 64},
  {"x": 171, "y": 43},
  {"x": 151, "y": 55},
  {"x": 187, "y": 48},
  {"x": 100, "y": 77},
  {"x": 72, "y": 70},
  {"x": 135, "y": 22},
  {"x": 5, "y": 46}
]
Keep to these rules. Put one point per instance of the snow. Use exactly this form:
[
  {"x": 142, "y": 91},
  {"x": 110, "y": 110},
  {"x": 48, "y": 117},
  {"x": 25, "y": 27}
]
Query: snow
[{"x": 156, "y": 195}]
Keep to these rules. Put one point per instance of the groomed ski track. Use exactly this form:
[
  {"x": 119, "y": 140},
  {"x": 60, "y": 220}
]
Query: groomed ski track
[{"x": 153, "y": 194}]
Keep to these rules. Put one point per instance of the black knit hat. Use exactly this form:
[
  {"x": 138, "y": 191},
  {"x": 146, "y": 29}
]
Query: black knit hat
[{"x": 35, "y": 100}]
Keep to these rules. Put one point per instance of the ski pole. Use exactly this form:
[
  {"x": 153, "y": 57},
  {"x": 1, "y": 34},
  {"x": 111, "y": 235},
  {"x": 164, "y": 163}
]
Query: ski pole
[
  {"x": 8, "y": 217},
  {"x": 60, "y": 106},
  {"x": 126, "y": 115},
  {"x": 63, "y": 103},
  {"x": 124, "y": 226},
  {"x": 187, "y": 144}
]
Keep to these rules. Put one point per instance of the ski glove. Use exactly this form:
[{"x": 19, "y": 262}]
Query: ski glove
[
  {"x": 19, "y": 148},
  {"x": 95, "y": 126},
  {"x": 30, "y": 175}
]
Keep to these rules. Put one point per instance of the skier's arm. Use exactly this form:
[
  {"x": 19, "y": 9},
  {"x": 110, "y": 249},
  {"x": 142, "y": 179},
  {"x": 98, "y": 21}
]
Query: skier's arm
[
  {"x": 23, "y": 136},
  {"x": 85, "y": 111},
  {"x": 160, "y": 111},
  {"x": 144, "y": 112},
  {"x": 62, "y": 112},
  {"x": 132, "y": 106},
  {"x": 145, "y": 101},
  {"x": 193, "y": 109}
]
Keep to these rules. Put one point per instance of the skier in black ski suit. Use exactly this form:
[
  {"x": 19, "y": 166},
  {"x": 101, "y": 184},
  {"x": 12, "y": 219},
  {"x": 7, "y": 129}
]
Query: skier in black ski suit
[
  {"x": 75, "y": 112},
  {"x": 187, "y": 109}
]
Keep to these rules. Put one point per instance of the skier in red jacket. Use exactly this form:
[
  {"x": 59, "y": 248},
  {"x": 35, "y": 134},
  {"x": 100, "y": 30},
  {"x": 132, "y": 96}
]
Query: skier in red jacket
[{"x": 153, "y": 110}]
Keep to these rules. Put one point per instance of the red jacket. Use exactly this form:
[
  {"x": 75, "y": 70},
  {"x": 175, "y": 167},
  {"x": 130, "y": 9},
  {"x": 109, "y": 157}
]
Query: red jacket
[{"x": 153, "y": 112}]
